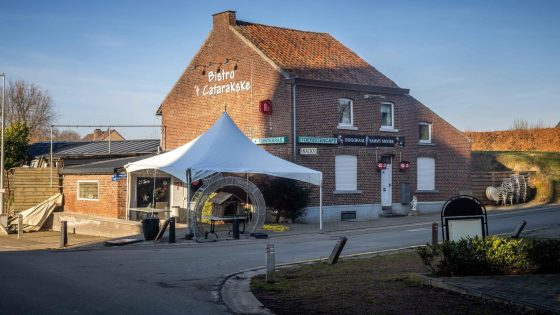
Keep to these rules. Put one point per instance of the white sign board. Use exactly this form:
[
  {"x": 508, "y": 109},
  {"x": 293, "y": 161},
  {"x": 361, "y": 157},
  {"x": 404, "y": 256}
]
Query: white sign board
[
  {"x": 308, "y": 151},
  {"x": 464, "y": 228}
]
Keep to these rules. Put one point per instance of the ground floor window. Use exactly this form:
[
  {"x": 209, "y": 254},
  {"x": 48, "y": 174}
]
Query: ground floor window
[
  {"x": 88, "y": 190},
  {"x": 152, "y": 192},
  {"x": 426, "y": 174},
  {"x": 346, "y": 170}
]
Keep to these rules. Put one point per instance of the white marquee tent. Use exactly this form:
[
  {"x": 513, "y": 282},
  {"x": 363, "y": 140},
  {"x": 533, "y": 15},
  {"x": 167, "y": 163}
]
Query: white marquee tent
[{"x": 224, "y": 148}]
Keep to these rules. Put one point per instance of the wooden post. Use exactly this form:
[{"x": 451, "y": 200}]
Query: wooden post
[
  {"x": 20, "y": 226},
  {"x": 269, "y": 262},
  {"x": 63, "y": 234},
  {"x": 434, "y": 233}
]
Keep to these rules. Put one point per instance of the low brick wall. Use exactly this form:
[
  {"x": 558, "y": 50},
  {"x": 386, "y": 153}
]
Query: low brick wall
[{"x": 95, "y": 225}]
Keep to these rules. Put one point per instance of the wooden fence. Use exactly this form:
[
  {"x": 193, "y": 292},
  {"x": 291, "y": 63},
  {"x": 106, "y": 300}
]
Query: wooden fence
[{"x": 29, "y": 186}]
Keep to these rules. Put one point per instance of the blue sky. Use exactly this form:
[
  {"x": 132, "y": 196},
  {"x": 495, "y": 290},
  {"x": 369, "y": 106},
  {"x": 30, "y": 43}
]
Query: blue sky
[{"x": 478, "y": 64}]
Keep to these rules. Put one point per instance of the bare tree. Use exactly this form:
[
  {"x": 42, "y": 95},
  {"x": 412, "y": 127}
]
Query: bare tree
[
  {"x": 30, "y": 104},
  {"x": 66, "y": 135}
]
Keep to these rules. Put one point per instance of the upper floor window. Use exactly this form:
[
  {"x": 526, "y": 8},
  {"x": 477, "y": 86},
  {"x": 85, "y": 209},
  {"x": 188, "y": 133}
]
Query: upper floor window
[
  {"x": 387, "y": 116},
  {"x": 425, "y": 132},
  {"x": 345, "y": 115},
  {"x": 88, "y": 190}
]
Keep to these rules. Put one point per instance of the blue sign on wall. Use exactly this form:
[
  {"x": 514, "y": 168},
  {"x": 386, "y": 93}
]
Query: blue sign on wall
[{"x": 116, "y": 177}]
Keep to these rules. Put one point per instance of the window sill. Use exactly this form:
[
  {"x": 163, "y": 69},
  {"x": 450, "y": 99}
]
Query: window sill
[
  {"x": 346, "y": 127},
  {"x": 87, "y": 199},
  {"x": 388, "y": 129},
  {"x": 427, "y": 143},
  {"x": 347, "y": 192},
  {"x": 427, "y": 191}
]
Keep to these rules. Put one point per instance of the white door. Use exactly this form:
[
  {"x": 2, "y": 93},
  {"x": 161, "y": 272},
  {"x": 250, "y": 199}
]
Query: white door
[{"x": 386, "y": 184}]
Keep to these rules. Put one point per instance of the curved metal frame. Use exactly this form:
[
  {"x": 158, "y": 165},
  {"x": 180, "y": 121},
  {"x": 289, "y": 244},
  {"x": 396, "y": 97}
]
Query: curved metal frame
[{"x": 217, "y": 181}]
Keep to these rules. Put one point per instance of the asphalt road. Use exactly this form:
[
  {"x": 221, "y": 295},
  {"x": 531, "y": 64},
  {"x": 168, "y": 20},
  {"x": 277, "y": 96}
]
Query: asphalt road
[{"x": 181, "y": 278}]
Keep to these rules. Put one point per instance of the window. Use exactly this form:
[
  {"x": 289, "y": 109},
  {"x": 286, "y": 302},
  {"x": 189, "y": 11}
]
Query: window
[
  {"x": 426, "y": 174},
  {"x": 345, "y": 115},
  {"x": 425, "y": 132},
  {"x": 387, "y": 116},
  {"x": 152, "y": 191},
  {"x": 88, "y": 190},
  {"x": 346, "y": 172}
]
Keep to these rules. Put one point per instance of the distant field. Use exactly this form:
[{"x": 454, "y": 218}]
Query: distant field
[{"x": 545, "y": 164}]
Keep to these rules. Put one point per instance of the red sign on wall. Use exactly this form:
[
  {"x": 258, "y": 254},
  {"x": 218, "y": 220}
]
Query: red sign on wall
[{"x": 265, "y": 107}]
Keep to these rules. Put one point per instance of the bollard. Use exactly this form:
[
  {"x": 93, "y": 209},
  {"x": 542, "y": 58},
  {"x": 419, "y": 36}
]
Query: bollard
[
  {"x": 269, "y": 262},
  {"x": 63, "y": 234},
  {"x": 20, "y": 226},
  {"x": 172, "y": 230},
  {"x": 338, "y": 247},
  {"x": 434, "y": 233},
  {"x": 235, "y": 228}
]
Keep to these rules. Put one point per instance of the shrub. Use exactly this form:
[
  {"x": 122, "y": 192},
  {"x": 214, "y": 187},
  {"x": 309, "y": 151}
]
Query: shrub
[
  {"x": 545, "y": 255},
  {"x": 287, "y": 197},
  {"x": 491, "y": 256}
]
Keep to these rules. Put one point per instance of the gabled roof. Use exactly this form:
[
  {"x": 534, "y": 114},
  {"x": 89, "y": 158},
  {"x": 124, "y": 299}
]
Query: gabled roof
[
  {"x": 94, "y": 148},
  {"x": 125, "y": 147},
  {"x": 311, "y": 55},
  {"x": 103, "y": 135},
  {"x": 43, "y": 148},
  {"x": 101, "y": 167}
]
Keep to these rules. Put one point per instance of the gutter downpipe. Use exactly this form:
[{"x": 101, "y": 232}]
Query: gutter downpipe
[
  {"x": 321, "y": 206},
  {"x": 294, "y": 119}
]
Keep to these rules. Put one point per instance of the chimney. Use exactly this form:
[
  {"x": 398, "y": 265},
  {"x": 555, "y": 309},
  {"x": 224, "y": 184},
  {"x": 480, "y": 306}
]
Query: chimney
[
  {"x": 97, "y": 134},
  {"x": 224, "y": 19}
]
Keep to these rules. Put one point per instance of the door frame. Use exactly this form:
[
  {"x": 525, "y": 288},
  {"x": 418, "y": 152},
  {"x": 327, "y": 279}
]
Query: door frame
[{"x": 388, "y": 174}]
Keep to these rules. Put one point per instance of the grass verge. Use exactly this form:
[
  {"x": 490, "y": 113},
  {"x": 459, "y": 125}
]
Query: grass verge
[{"x": 376, "y": 285}]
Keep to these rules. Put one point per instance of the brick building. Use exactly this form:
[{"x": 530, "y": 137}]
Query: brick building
[{"x": 307, "y": 98}]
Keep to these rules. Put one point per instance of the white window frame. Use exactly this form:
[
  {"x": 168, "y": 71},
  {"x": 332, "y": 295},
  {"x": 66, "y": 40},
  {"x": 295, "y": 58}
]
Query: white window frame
[
  {"x": 428, "y": 186},
  {"x": 343, "y": 125},
  {"x": 390, "y": 128},
  {"x": 78, "y": 190},
  {"x": 429, "y": 132},
  {"x": 352, "y": 185}
]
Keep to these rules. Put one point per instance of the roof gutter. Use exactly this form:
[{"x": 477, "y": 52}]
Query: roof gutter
[{"x": 350, "y": 86}]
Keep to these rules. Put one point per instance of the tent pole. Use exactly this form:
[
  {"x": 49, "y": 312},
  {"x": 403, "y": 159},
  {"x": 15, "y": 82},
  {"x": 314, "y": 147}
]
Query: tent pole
[
  {"x": 127, "y": 196},
  {"x": 189, "y": 211},
  {"x": 321, "y": 207}
]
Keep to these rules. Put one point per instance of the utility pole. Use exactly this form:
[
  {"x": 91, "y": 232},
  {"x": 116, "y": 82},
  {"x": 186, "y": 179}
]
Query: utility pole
[{"x": 2, "y": 211}]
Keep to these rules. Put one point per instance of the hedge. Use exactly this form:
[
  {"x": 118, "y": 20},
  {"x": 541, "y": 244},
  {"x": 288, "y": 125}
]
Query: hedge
[{"x": 492, "y": 256}]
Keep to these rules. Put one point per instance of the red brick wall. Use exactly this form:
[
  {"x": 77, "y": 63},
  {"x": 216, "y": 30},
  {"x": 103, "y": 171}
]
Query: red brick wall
[
  {"x": 112, "y": 196},
  {"x": 317, "y": 112},
  {"x": 187, "y": 115}
]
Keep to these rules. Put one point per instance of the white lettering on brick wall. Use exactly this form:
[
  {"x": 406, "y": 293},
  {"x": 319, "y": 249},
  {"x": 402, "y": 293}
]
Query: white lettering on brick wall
[{"x": 216, "y": 87}]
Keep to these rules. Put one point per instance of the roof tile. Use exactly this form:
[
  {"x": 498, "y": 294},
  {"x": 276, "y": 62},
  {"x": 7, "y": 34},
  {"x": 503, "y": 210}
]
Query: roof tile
[{"x": 312, "y": 55}]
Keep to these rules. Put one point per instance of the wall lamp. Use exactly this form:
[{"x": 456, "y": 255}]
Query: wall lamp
[
  {"x": 367, "y": 96},
  {"x": 228, "y": 60},
  {"x": 212, "y": 63}
]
